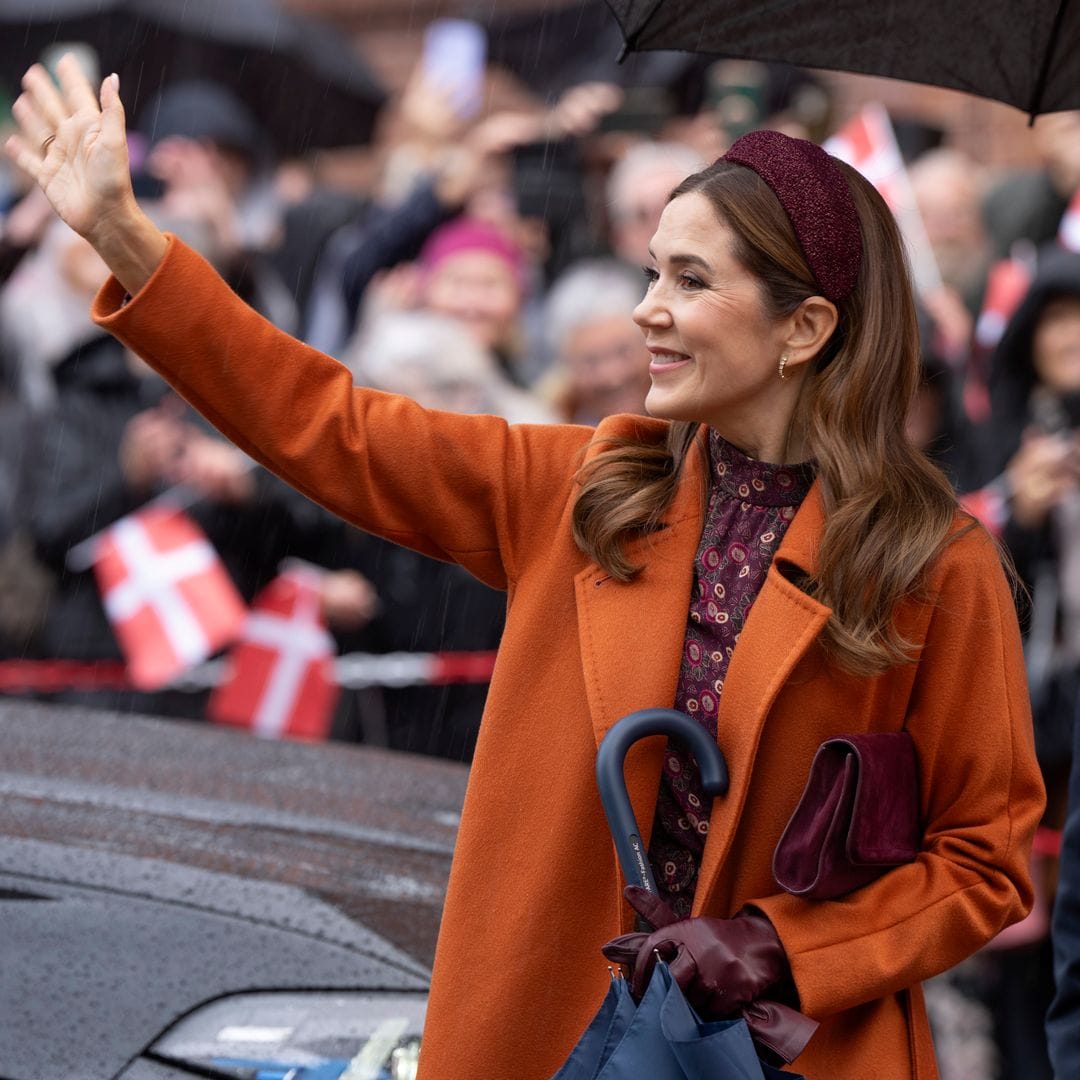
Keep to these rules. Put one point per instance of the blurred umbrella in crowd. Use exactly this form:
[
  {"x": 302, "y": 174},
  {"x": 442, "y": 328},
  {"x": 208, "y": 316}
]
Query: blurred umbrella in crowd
[
  {"x": 301, "y": 79},
  {"x": 1023, "y": 54}
]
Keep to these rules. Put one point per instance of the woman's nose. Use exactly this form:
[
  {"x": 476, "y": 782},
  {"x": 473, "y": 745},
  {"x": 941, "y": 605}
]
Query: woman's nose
[{"x": 650, "y": 312}]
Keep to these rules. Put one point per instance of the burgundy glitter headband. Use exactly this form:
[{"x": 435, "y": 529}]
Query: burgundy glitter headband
[{"x": 816, "y": 198}]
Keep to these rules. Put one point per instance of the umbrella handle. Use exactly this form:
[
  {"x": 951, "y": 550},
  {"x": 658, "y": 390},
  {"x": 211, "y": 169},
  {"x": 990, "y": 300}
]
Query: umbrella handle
[{"x": 610, "y": 759}]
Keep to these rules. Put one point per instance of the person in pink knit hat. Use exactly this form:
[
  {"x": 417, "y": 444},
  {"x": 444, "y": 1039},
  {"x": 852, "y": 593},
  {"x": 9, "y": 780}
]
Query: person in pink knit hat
[{"x": 474, "y": 273}]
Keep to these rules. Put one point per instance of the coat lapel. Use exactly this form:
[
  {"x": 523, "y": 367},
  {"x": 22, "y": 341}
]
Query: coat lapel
[
  {"x": 631, "y": 635},
  {"x": 782, "y": 625}
]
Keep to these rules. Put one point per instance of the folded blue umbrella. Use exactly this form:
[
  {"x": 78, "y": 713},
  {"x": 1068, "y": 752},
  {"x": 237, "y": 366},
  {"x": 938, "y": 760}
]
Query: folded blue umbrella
[{"x": 663, "y": 1039}]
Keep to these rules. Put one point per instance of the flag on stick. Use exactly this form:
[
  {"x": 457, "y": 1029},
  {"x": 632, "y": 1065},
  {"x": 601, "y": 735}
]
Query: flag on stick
[
  {"x": 281, "y": 673},
  {"x": 1006, "y": 285},
  {"x": 168, "y": 597},
  {"x": 868, "y": 143}
]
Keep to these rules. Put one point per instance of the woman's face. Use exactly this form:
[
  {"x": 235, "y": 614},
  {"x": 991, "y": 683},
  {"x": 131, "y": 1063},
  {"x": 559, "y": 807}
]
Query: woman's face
[
  {"x": 478, "y": 289},
  {"x": 715, "y": 350},
  {"x": 1055, "y": 346}
]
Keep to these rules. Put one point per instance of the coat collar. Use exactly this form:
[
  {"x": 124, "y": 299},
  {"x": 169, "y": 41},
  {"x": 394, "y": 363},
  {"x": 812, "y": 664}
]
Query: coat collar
[
  {"x": 632, "y": 636},
  {"x": 802, "y": 540}
]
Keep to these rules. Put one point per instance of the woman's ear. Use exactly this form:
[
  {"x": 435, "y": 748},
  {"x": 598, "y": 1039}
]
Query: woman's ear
[{"x": 811, "y": 325}]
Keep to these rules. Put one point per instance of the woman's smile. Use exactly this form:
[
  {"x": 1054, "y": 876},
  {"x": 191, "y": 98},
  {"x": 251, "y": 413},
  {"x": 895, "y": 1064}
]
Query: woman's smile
[{"x": 664, "y": 360}]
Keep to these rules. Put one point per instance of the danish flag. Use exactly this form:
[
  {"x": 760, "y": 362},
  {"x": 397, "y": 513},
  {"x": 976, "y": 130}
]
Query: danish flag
[
  {"x": 281, "y": 674},
  {"x": 1069, "y": 229},
  {"x": 868, "y": 143},
  {"x": 1006, "y": 285},
  {"x": 166, "y": 593}
]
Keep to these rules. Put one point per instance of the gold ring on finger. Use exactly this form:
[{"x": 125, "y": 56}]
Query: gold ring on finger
[{"x": 48, "y": 141}]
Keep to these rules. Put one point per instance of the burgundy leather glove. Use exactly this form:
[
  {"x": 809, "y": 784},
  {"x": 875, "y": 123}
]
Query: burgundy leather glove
[
  {"x": 720, "y": 964},
  {"x": 723, "y": 966}
]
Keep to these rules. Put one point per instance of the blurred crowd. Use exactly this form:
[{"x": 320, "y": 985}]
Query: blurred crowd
[{"x": 492, "y": 266}]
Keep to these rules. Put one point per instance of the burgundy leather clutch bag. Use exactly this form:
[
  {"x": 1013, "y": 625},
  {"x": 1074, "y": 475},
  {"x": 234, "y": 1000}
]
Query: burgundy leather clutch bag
[{"x": 857, "y": 817}]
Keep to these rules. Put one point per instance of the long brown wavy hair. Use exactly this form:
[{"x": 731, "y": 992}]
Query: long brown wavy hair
[{"x": 888, "y": 510}]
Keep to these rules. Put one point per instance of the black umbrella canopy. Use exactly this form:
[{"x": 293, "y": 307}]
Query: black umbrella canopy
[
  {"x": 301, "y": 79},
  {"x": 1025, "y": 54}
]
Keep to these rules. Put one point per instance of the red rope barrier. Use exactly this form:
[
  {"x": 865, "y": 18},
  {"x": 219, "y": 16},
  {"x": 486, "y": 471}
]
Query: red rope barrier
[
  {"x": 52, "y": 676},
  {"x": 389, "y": 669}
]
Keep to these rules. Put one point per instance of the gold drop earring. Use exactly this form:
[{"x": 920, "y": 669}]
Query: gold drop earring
[{"x": 783, "y": 364}]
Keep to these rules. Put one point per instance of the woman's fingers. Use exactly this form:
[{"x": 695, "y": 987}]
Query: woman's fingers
[
  {"x": 113, "y": 122},
  {"x": 28, "y": 160},
  {"x": 78, "y": 93},
  {"x": 46, "y": 98},
  {"x": 36, "y": 133}
]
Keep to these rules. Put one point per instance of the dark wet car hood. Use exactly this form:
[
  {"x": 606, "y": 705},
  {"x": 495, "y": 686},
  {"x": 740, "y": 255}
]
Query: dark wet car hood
[{"x": 149, "y": 866}]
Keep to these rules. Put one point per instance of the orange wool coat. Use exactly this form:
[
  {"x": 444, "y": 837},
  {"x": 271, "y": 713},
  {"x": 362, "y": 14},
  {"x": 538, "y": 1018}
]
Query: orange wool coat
[{"x": 535, "y": 888}]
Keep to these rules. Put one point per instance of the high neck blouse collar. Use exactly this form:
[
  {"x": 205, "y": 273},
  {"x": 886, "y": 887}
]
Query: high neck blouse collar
[{"x": 759, "y": 483}]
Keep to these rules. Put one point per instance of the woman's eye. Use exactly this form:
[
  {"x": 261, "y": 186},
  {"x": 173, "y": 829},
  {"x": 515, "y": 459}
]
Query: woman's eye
[
  {"x": 689, "y": 281},
  {"x": 650, "y": 275}
]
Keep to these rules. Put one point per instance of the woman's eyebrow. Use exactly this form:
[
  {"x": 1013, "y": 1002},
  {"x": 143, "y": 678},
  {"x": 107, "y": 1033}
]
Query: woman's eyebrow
[{"x": 683, "y": 260}]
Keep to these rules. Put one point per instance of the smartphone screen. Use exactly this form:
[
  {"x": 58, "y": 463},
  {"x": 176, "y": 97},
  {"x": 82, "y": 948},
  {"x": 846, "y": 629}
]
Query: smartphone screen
[{"x": 455, "y": 54}]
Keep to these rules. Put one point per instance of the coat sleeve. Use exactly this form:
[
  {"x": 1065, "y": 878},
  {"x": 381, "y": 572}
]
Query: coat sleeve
[
  {"x": 981, "y": 797},
  {"x": 467, "y": 489}
]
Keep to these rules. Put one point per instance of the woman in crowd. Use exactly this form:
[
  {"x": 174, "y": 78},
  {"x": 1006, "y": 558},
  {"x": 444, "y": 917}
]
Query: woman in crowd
[
  {"x": 472, "y": 272},
  {"x": 601, "y": 363},
  {"x": 766, "y": 551}
]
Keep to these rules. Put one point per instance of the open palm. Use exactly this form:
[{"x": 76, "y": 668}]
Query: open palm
[{"x": 73, "y": 145}]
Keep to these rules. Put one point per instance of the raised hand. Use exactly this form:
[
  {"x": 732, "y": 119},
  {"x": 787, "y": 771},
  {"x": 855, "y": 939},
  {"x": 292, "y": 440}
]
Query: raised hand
[
  {"x": 152, "y": 443},
  {"x": 73, "y": 145}
]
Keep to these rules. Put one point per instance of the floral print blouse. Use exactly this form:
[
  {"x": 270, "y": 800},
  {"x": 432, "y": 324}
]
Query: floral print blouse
[{"x": 750, "y": 507}]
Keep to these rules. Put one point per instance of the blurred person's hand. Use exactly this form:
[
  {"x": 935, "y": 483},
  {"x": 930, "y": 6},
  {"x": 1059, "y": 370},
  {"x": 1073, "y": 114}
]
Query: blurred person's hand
[
  {"x": 581, "y": 108},
  {"x": 576, "y": 113},
  {"x": 28, "y": 219},
  {"x": 349, "y": 600},
  {"x": 1040, "y": 474},
  {"x": 427, "y": 111},
  {"x": 151, "y": 445},
  {"x": 468, "y": 164},
  {"x": 215, "y": 469},
  {"x": 81, "y": 267},
  {"x": 396, "y": 289},
  {"x": 953, "y": 323}
]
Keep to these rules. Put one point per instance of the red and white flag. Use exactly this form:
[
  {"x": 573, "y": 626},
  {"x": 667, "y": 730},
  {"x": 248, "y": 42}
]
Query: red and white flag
[
  {"x": 281, "y": 673},
  {"x": 1069, "y": 229},
  {"x": 1006, "y": 285},
  {"x": 868, "y": 143},
  {"x": 168, "y": 597}
]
